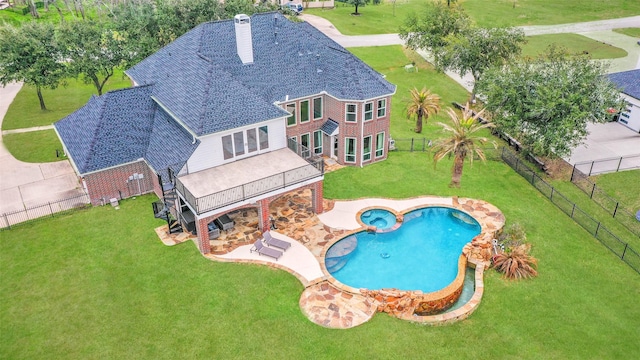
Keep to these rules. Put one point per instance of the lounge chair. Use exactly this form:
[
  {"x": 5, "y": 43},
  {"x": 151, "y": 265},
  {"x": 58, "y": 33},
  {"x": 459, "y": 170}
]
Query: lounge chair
[
  {"x": 271, "y": 241},
  {"x": 224, "y": 222},
  {"x": 263, "y": 250}
]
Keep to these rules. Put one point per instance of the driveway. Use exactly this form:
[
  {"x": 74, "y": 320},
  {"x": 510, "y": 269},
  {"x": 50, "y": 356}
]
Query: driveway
[{"x": 24, "y": 185}]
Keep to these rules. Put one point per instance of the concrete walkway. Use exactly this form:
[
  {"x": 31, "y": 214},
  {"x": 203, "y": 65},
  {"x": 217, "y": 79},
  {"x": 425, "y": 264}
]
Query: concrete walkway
[{"x": 23, "y": 185}]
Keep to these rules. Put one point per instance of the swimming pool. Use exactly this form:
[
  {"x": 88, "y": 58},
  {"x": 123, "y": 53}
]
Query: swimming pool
[
  {"x": 422, "y": 254},
  {"x": 380, "y": 218}
]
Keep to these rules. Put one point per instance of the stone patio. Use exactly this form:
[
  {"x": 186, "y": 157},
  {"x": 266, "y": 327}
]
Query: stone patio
[{"x": 324, "y": 301}]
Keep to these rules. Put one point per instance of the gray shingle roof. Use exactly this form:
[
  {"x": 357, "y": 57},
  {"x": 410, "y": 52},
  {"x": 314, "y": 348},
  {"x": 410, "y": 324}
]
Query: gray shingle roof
[
  {"x": 122, "y": 126},
  {"x": 200, "y": 78},
  {"x": 628, "y": 82},
  {"x": 330, "y": 127}
]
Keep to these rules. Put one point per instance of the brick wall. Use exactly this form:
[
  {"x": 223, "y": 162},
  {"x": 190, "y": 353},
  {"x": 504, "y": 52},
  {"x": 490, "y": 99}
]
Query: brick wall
[
  {"x": 336, "y": 110},
  {"x": 114, "y": 183}
]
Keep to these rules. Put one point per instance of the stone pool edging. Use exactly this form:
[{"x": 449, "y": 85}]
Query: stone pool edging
[
  {"x": 327, "y": 302},
  {"x": 402, "y": 304}
]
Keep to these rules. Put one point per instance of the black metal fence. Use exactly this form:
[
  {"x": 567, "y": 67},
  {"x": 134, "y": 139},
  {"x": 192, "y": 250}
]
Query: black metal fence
[
  {"x": 593, "y": 226},
  {"x": 609, "y": 165},
  {"x": 38, "y": 212},
  {"x": 609, "y": 204},
  {"x": 424, "y": 145}
]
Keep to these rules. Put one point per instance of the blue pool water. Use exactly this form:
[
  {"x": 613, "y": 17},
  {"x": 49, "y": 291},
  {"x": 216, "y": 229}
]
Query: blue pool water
[
  {"x": 380, "y": 218},
  {"x": 422, "y": 254}
]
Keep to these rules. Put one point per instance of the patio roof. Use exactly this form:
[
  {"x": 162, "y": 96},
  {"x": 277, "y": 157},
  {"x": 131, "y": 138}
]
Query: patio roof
[
  {"x": 245, "y": 179},
  {"x": 331, "y": 127}
]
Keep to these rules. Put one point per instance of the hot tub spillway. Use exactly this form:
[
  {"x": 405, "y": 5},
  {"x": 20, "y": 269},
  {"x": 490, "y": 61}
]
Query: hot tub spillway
[{"x": 338, "y": 255}]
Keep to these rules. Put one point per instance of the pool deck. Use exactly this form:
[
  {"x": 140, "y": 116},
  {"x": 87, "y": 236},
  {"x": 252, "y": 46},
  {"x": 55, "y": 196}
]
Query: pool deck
[{"x": 324, "y": 302}]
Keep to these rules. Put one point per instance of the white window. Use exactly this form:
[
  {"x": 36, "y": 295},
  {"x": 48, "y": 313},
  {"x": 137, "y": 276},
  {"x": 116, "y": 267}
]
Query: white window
[
  {"x": 238, "y": 143},
  {"x": 368, "y": 111},
  {"x": 263, "y": 134},
  {"x": 382, "y": 107},
  {"x": 350, "y": 150},
  {"x": 379, "y": 144},
  {"x": 304, "y": 111},
  {"x": 366, "y": 148},
  {"x": 291, "y": 120},
  {"x": 350, "y": 112},
  {"x": 317, "y": 108},
  {"x": 317, "y": 142},
  {"x": 252, "y": 141},
  {"x": 227, "y": 147},
  {"x": 304, "y": 141}
]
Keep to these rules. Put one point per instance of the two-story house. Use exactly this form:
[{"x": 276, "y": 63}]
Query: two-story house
[{"x": 232, "y": 114}]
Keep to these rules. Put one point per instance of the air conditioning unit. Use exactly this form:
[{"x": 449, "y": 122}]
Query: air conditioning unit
[{"x": 392, "y": 144}]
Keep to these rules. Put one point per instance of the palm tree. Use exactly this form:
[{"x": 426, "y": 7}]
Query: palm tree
[
  {"x": 422, "y": 104},
  {"x": 462, "y": 142}
]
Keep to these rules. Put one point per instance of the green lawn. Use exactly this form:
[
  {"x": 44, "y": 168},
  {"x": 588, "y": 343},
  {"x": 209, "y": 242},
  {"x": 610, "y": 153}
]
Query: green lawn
[
  {"x": 25, "y": 112},
  {"x": 575, "y": 45},
  {"x": 34, "y": 146},
  {"x": 379, "y": 19},
  {"x": 618, "y": 184},
  {"x": 635, "y": 32},
  {"x": 99, "y": 284}
]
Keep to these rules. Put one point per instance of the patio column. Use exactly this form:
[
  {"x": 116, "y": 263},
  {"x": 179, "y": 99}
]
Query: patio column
[
  {"x": 316, "y": 197},
  {"x": 263, "y": 215},
  {"x": 203, "y": 236}
]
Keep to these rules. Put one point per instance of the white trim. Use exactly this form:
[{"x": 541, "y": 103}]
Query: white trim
[
  {"x": 386, "y": 106},
  {"x": 355, "y": 149},
  {"x": 346, "y": 113},
  {"x": 363, "y": 151},
  {"x": 364, "y": 111},
  {"x": 313, "y": 110},
  {"x": 375, "y": 153}
]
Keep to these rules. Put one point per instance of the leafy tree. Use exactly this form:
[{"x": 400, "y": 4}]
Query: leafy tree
[
  {"x": 357, "y": 3},
  {"x": 31, "y": 55},
  {"x": 475, "y": 50},
  {"x": 92, "y": 51},
  {"x": 462, "y": 142},
  {"x": 423, "y": 103},
  {"x": 430, "y": 29},
  {"x": 547, "y": 102}
]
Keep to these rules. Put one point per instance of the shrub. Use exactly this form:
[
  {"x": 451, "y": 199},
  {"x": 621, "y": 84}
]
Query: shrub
[{"x": 514, "y": 261}]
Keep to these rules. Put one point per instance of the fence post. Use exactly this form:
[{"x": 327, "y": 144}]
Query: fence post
[
  {"x": 411, "y": 145},
  {"x": 593, "y": 189},
  {"x": 573, "y": 210},
  {"x": 591, "y": 168},
  {"x": 551, "y": 196},
  {"x": 50, "y": 209},
  {"x": 517, "y": 162},
  {"x": 616, "y": 209},
  {"x": 533, "y": 179},
  {"x": 597, "y": 229},
  {"x": 6, "y": 218},
  {"x": 424, "y": 143},
  {"x": 573, "y": 171},
  {"x": 624, "y": 251},
  {"x": 619, "y": 162}
]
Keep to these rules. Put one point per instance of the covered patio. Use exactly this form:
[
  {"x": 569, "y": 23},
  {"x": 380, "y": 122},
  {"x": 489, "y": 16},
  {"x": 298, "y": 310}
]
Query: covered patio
[{"x": 250, "y": 183}]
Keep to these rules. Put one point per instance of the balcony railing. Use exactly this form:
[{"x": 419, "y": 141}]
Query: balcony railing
[{"x": 249, "y": 190}]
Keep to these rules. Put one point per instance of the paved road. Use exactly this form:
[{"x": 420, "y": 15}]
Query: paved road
[{"x": 24, "y": 185}]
